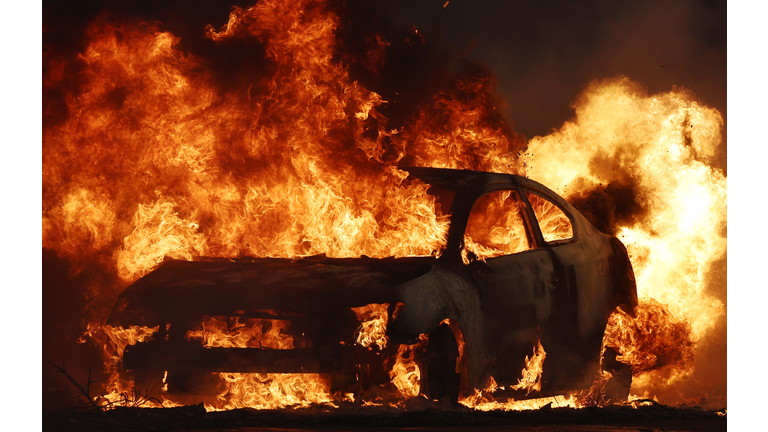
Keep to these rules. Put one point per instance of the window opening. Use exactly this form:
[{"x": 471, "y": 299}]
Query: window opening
[
  {"x": 496, "y": 226},
  {"x": 554, "y": 224}
]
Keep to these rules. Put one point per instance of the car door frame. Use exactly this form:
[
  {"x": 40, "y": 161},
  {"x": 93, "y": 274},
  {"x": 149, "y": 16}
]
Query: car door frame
[
  {"x": 574, "y": 339},
  {"x": 498, "y": 357}
]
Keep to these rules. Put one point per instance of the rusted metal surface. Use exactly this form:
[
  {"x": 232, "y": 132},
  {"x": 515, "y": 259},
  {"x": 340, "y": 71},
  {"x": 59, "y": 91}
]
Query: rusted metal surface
[{"x": 559, "y": 292}]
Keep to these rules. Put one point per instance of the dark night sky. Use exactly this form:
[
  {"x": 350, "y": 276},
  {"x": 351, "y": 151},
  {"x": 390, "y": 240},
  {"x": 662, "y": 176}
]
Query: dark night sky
[{"x": 543, "y": 52}]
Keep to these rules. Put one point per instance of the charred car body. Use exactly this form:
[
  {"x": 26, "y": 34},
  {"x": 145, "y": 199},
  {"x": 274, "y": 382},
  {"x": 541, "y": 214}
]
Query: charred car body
[{"x": 520, "y": 266}]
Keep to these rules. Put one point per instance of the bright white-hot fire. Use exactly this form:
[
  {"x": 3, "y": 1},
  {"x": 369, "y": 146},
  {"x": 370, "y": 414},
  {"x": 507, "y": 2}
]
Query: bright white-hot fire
[
  {"x": 154, "y": 161},
  {"x": 664, "y": 145},
  {"x": 665, "y": 142}
]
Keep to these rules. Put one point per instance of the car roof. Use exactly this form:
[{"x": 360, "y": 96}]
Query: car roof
[{"x": 453, "y": 179}]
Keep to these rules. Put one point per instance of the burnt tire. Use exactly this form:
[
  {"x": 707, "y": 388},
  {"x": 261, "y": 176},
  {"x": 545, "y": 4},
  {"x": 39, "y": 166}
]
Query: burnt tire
[
  {"x": 442, "y": 381},
  {"x": 618, "y": 387}
]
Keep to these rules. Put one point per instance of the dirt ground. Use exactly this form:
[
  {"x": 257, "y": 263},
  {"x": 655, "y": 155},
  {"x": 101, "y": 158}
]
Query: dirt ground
[{"x": 381, "y": 419}]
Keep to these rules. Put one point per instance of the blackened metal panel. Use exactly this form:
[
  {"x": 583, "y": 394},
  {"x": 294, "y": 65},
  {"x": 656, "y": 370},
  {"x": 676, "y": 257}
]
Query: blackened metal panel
[
  {"x": 517, "y": 297},
  {"x": 186, "y": 291}
]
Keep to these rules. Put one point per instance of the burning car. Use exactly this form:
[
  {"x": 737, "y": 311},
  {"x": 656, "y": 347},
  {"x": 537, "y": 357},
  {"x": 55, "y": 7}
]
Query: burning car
[{"x": 522, "y": 274}]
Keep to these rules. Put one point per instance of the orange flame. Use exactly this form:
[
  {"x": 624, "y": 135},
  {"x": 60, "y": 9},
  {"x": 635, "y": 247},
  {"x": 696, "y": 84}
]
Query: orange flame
[
  {"x": 495, "y": 227},
  {"x": 531, "y": 379},
  {"x": 159, "y": 233},
  {"x": 252, "y": 333},
  {"x": 644, "y": 343},
  {"x": 271, "y": 391},
  {"x": 665, "y": 143},
  {"x": 119, "y": 391},
  {"x": 482, "y": 403},
  {"x": 373, "y": 325},
  {"x": 152, "y": 163},
  {"x": 259, "y": 390},
  {"x": 553, "y": 222},
  {"x": 405, "y": 373},
  {"x": 206, "y": 186}
]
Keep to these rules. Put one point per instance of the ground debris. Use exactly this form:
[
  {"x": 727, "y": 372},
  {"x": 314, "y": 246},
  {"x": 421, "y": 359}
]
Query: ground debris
[{"x": 422, "y": 416}]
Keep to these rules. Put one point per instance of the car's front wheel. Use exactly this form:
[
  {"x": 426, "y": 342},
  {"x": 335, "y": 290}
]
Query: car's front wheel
[
  {"x": 618, "y": 387},
  {"x": 441, "y": 379}
]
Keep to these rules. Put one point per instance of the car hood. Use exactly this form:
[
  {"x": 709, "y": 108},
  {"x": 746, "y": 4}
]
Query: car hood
[{"x": 185, "y": 291}]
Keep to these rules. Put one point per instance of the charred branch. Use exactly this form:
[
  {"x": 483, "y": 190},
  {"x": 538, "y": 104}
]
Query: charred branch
[{"x": 84, "y": 390}]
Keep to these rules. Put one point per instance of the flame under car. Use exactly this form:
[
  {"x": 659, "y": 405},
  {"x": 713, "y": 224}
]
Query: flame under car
[{"x": 521, "y": 268}]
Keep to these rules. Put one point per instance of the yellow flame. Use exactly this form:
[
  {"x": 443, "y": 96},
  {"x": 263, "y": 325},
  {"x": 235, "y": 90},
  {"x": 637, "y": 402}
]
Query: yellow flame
[
  {"x": 534, "y": 367},
  {"x": 405, "y": 373},
  {"x": 477, "y": 402},
  {"x": 248, "y": 333},
  {"x": 373, "y": 325},
  {"x": 271, "y": 391}
]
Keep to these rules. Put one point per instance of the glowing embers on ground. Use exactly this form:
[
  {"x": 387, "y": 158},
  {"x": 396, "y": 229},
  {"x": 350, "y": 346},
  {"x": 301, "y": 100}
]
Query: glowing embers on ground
[{"x": 478, "y": 402}]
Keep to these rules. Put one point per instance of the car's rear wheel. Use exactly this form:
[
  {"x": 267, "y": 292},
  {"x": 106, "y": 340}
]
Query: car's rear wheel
[{"x": 442, "y": 381}]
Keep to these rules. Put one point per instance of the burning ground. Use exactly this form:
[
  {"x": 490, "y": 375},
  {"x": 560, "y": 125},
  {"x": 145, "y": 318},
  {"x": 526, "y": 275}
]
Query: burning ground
[{"x": 151, "y": 151}]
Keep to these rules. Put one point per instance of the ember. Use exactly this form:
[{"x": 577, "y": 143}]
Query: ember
[{"x": 284, "y": 235}]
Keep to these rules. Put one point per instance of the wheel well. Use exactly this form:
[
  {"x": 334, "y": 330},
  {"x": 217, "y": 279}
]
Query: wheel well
[
  {"x": 459, "y": 344},
  {"x": 624, "y": 293}
]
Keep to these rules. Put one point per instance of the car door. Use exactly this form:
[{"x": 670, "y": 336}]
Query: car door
[
  {"x": 574, "y": 336},
  {"x": 517, "y": 279}
]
